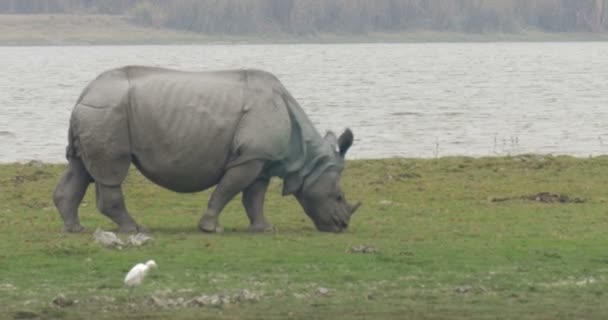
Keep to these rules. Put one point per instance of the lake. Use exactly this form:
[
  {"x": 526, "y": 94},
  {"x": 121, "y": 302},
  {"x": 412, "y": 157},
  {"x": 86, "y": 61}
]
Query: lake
[{"x": 405, "y": 100}]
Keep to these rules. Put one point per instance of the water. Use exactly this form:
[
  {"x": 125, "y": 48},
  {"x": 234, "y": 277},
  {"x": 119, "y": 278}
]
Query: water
[{"x": 412, "y": 100}]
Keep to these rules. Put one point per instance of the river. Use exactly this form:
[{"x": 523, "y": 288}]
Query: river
[{"x": 401, "y": 100}]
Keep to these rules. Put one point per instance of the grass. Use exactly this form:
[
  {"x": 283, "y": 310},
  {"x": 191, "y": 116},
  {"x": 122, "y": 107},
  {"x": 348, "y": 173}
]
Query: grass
[
  {"x": 446, "y": 250},
  {"x": 86, "y": 29}
]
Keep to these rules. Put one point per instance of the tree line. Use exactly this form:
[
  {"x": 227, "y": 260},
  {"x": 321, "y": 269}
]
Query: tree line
[{"x": 339, "y": 16}]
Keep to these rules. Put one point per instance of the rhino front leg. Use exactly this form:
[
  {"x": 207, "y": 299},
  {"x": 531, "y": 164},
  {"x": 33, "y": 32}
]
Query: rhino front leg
[
  {"x": 111, "y": 202},
  {"x": 234, "y": 181},
  {"x": 69, "y": 193},
  {"x": 253, "y": 201}
]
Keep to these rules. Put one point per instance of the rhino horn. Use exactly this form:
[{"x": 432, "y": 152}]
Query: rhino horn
[{"x": 354, "y": 208}]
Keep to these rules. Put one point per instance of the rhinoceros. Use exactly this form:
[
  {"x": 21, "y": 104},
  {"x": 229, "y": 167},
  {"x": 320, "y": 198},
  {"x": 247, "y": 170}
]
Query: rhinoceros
[{"x": 189, "y": 131}]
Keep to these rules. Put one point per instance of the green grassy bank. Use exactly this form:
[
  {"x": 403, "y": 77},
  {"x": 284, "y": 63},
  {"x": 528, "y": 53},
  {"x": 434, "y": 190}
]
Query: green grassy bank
[
  {"x": 67, "y": 29},
  {"x": 456, "y": 238}
]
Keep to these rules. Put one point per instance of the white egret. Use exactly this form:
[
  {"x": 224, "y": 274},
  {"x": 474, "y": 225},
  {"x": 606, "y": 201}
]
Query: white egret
[{"x": 137, "y": 274}]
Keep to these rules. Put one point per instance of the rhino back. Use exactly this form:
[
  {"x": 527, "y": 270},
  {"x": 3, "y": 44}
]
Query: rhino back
[{"x": 182, "y": 126}]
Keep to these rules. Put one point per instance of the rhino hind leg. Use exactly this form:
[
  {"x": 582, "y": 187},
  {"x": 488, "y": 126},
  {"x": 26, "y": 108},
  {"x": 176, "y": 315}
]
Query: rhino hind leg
[
  {"x": 253, "y": 201},
  {"x": 69, "y": 194},
  {"x": 234, "y": 181},
  {"x": 111, "y": 202}
]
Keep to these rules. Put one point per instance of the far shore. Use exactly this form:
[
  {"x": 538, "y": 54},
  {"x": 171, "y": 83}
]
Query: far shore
[
  {"x": 58, "y": 30},
  {"x": 42, "y": 163}
]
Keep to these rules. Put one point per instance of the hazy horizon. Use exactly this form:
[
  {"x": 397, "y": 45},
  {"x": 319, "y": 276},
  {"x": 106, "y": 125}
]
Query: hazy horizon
[{"x": 306, "y": 17}]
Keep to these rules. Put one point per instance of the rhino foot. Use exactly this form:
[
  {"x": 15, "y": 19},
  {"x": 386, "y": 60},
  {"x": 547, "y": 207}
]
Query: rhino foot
[
  {"x": 209, "y": 224},
  {"x": 74, "y": 228},
  {"x": 129, "y": 228},
  {"x": 261, "y": 228}
]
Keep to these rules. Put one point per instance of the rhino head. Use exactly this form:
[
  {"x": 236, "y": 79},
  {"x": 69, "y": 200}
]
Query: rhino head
[{"x": 323, "y": 199}]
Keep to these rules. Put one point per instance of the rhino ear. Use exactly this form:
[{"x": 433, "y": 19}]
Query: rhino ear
[
  {"x": 330, "y": 136},
  {"x": 345, "y": 141}
]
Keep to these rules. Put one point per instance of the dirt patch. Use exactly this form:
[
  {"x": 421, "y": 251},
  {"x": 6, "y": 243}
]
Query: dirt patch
[
  {"x": 7, "y": 286},
  {"x": 215, "y": 300},
  {"x": 62, "y": 301},
  {"x": 463, "y": 289},
  {"x": 36, "y": 176},
  {"x": 396, "y": 177},
  {"x": 25, "y": 315},
  {"x": 570, "y": 282},
  {"x": 362, "y": 248},
  {"x": 544, "y": 197},
  {"x": 547, "y": 197}
]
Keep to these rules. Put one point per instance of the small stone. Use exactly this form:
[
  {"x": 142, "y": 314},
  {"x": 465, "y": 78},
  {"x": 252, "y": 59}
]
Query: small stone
[
  {"x": 138, "y": 240},
  {"x": 107, "y": 239},
  {"x": 323, "y": 291}
]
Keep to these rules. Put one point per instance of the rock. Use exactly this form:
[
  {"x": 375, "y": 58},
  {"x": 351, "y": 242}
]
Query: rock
[
  {"x": 138, "y": 240},
  {"x": 107, "y": 239},
  {"x": 322, "y": 291}
]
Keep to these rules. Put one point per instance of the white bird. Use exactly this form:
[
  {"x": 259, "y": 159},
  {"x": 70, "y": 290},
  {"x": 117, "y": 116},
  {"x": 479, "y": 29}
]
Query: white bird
[{"x": 137, "y": 274}]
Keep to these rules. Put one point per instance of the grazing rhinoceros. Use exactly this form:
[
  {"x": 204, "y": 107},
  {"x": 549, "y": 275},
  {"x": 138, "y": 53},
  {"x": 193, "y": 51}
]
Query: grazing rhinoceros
[{"x": 189, "y": 131}]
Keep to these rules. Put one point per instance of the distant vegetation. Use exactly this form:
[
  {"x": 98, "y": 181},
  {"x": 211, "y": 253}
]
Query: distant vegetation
[{"x": 239, "y": 17}]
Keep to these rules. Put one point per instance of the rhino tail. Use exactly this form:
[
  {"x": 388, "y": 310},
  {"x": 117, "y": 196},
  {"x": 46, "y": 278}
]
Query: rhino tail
[{"x": 70, "y": 150}]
